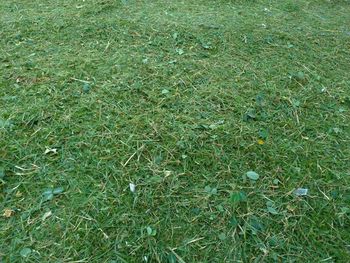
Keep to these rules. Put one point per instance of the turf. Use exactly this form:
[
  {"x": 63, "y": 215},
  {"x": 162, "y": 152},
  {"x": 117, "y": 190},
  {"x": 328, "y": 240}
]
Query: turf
[{"x": 181, "y": 99}]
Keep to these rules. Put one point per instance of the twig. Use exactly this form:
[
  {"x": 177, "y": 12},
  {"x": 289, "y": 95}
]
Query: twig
[{"x": 80, "y": 80}]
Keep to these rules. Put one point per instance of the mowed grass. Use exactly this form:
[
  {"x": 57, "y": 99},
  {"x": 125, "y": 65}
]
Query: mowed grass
[{"x": 182, "y": 99}]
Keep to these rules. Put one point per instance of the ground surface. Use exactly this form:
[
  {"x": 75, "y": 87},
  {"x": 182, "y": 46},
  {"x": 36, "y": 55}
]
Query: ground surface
[{"x": 182, "y": 99}]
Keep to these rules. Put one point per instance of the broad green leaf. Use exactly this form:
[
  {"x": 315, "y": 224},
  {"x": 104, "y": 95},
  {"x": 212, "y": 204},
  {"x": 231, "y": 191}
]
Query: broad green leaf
[
  {"x": 181, "y": 144},
  {"x": 253, "y": 175},
  {"x": 220, "y": 208},
  {"x": 196, "y": 211},
  {"x": 86, "y": 87},
  {"x": 334, "y": 194},
  {"x": 149, "y": 230},
  {"x": 206, "y": 45},
  {"x": 250, "y": 115},
  {"x": 158, "y": 159},
  {"x": 273, "y": 241},
  {"x": 276, "y": 181},
  {"x": 25, "y": 252},
  {"x": 154, "y": 232},
  {"x": 180, "y": 51},
  {"x": 255, "y": 225},
  {"x": 48, "y": 191},
  {"x": 263, "y": 134},
  {"x": 260, "y": 100},
  {"x": 207, "y": 189},
  {"x": 5, "y": 123},
  {"x": 300, "y": 75},
  {"x": 272, "y": 210},
  {"x": 222, "y": 236},
  {"x": 296, "y": 103},
  {"x": 47, "y": 195},
  {"x": 269, "y": 203},
  {"x": 58, "y": 190}
]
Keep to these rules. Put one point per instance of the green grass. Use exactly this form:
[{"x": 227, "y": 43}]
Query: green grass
[{"x": 175, "y": 97}]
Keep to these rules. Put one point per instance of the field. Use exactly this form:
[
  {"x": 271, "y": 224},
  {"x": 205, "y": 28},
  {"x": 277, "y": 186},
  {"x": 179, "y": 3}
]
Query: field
[{"x": 174, "y": 131}]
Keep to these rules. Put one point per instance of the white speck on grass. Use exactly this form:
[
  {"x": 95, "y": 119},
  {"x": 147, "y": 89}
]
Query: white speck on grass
[
  {"x": 132, "y": 187},
  {"x": 301, "y": 191}
]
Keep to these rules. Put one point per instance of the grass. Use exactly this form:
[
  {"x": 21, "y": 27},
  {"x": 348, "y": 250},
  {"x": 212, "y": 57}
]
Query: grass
[{"x": 182, "y": 99}]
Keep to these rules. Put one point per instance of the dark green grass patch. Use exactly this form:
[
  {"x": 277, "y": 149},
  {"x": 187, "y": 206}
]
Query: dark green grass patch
[{"x": 180, "y": 100}]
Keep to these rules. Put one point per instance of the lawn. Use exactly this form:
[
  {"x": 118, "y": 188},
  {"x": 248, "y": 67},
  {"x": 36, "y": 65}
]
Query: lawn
[{"x": 174, "y": 131}]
